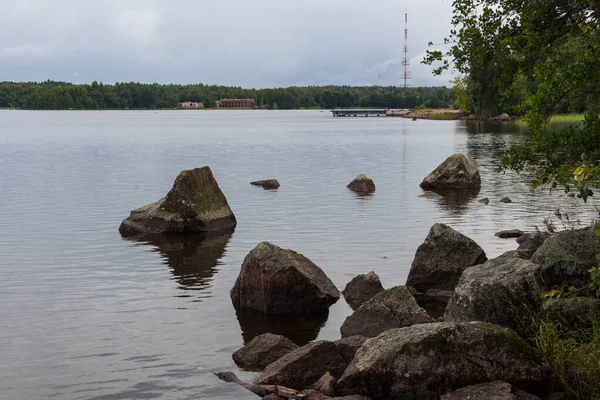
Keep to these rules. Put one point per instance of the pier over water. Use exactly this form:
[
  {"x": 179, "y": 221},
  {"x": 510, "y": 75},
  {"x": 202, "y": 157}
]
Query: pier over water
[{"x": 359, "y": 112}]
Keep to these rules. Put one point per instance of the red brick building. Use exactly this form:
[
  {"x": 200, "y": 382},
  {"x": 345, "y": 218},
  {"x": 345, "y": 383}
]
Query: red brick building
[{"x": 236, "y": 103}]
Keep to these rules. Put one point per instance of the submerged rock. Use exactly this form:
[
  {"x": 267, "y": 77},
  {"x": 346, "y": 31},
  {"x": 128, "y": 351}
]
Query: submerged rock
[
  {"x": 485, "y": 201},
  {"x": 502, "y": 291},
  {"x": 273, "y": 280},
  {"x": 195, "y": 204},
  {"x": 505, "y": 200},
  {"x": 304, "y": 366},
  {"x": 496, "y": 390},
  {"x": 262, "y": 351},
  {"x": 441, "y": 259},
  {"x": 509, "y": 234},
  {"x": 267, "y": 184},
  {"x": 361, "y": 288},
  {"x": 567, "y": 256},
  {"x": 392, "y": 308},
  {"x": 362, "y": 184},
  {"x": 426, "y": 361},
  {"x": 457, "y": 172}
]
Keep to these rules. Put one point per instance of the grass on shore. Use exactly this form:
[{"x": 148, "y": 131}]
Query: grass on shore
[
  {"x": 561, "y": 119},
  {"x": 443, "y": 116}
]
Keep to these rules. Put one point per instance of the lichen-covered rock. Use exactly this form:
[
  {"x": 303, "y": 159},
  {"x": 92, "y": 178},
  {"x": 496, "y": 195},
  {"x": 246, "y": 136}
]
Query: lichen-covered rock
[
  {"x": 348, "y": 346},
  {"x": 432, "y": 359},
  {"x": 530, "y": 242},
  {"x": 566, "y": 257},
  {"x": 262, "y": 351},
  {"x": 392, "y": 308},
  {"x": 496, "y": 390},
  {"x": 195, "y": 204},
  {"x": 361, "y": 288},
  {"x": 441, "y": 259},
  {"x": 501, "y": 291},
  {"x": 304, "y": 366},
  {"x": 457, "y": 172},
  {"x": 362, "y": 184},
  {"x": 273, "y": 280},
  {"x": 267, "y": 183}
]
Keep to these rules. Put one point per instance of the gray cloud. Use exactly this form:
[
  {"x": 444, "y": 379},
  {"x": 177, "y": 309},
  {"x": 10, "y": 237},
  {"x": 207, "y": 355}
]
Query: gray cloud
[{"x": 260, "y": 43}]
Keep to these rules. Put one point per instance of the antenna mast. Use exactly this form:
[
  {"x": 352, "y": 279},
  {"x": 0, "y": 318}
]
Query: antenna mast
[{"x": 406, "y": 75}]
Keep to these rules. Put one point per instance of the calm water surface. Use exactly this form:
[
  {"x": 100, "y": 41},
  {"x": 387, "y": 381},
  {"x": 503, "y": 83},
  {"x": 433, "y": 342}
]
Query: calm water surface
[{"x": 85, "y": 314}]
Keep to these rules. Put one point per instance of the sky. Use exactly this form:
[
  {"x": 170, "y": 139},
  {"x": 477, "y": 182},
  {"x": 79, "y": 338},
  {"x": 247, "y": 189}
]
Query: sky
[{"x": 247, "y": 43}]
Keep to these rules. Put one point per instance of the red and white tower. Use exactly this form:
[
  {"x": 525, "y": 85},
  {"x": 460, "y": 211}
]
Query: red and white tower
[{"x": 406, "y": 75}]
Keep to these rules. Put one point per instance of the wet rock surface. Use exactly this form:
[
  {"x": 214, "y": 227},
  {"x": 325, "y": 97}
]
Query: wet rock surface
[
  {"x": 361, "y": 288},
  {"x": 267, "y": 183},
  {"x": 195, "y": 204},
  {"x": 273, "y": 280},
  {"x": 392, "y": 308},
  {"x": 262, "y": 351},
  {"x": 441, "y": 259},
  {"x": 362, "y": 184},
  {"x": 498, "y": 291},
  {"x": 457, "y": 172},
  {"x": 433, "y": 359}
]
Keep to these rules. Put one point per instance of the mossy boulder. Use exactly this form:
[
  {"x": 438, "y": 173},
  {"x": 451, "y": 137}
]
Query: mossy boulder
[
  {"x": 428, "y": 360},
  {"x": 505, "y": 291},
  {"x": 195, "y": 204},
  {"x": 273, "y": 280},
  {"x": 457, "y": 172}
]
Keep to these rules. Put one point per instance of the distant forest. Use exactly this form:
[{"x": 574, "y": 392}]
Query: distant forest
[{"x": 50, "y": 95}]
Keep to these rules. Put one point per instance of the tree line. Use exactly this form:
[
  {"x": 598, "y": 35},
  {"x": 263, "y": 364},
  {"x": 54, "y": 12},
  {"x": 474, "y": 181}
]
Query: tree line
[{"x": 51, "y": 95}]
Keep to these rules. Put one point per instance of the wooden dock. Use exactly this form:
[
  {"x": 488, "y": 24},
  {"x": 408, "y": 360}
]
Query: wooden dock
[{"x": 359, "y": 112}]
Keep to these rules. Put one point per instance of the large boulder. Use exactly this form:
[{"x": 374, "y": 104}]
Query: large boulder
[
  {"x": 362, "y": 184},
  {"x": 304, "y": 366},
  {"x": 566, "y": 257},
  {"x": 348, "y": 346},
  {"x": 502, "y": 291},
  {"x": 195, "y": 204},
  {"x": 496, "y": 390},
  {"x": 530, "y": 242},
  {"x": 440, "y": 261},
  {"x": 392, "y": 308},
  {"x": 262, "y": 351},
  {"x": 428, "y": 360},
  {"x": 280, "y": 281},
  {"x": 361, "y": 288},
  {"x": 456, "y": 173}
]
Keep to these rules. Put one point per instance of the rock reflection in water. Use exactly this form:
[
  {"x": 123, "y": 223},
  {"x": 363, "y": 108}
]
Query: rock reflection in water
[
  {"x": 193, "y": 259},
  {"x": 300, "y": 329},
  {"x": 453, "y": 201}
]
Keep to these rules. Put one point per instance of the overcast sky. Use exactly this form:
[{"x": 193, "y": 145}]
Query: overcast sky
[{"x": 248, "y": 43}]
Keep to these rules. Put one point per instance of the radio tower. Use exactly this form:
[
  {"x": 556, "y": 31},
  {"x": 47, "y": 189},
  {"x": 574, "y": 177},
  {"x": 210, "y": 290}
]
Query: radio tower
[{"x": 406, "y": 75}]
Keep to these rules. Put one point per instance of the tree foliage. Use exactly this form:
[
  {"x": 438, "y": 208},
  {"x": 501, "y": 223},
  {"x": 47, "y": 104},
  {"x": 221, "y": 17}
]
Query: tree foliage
[
  {"x": 60, "y": 95},
  {"x": 533, "y": 58}
]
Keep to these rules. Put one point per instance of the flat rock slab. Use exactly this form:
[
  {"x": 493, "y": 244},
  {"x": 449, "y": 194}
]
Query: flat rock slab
[
  {"x": 362, "y": 288},
  {"x": 496, "y": 390},
  {"x": 509, "y": 234},
  {"x": 262, "y": 351},
  {"x": 392, "y": 308},
  {"x": 362, "y": 184},
  {"x": 267, "y": 183},
  {"x": 428, "y": 360},
  {"x": 273, "y": 280},
  {"x": 457, "y": 172},
  {"x": 195, "y": 204}
]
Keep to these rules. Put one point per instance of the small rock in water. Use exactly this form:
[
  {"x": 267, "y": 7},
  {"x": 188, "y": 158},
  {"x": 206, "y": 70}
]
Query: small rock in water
[
  {"x": 512, "y": 233},
  {"x": 267, "y": 184},
  {"x": 362, "y": 184},
  {"x": 457, "y": 172},
  {"x": 485, "y": 201},
  {"x": 505, "y": 200},
  {"x": 262, "y": 351},
  {"x": 572, "y": 195}
]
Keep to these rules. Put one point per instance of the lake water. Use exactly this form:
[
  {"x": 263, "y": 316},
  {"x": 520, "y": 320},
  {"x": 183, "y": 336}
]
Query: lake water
[{"x": 85, "y": 314}]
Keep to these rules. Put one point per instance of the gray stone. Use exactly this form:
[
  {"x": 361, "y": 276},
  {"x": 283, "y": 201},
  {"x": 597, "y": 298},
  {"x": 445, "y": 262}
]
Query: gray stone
[
  {"x": 361, "y": 288},
  {"x": 273, "y": 280},
  {"x": 565, "y": 257},
  {"x": 362, "y": 184},
  {"x": 530, "y": 242},
  {"x": 392, "y": 308},
  {"x": 441, "y": 259},
  {"x": 195, "y": 204},
  {"x": 267, "y": 184},
  {"x": 348, "y": 346},
  {"x": 502, "y": 291},
  {"x": 510, "y": 234},
  {"x": 496, "y": 390},
  {"x": 262, "y": 351},
  {"x": 485, "y": 201},
  {"x": 505, "y": 200},
  {"x": 325, "y": 385},
  {"x": 457, "y": 172},
  {"x": 432, "y": 359}
]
